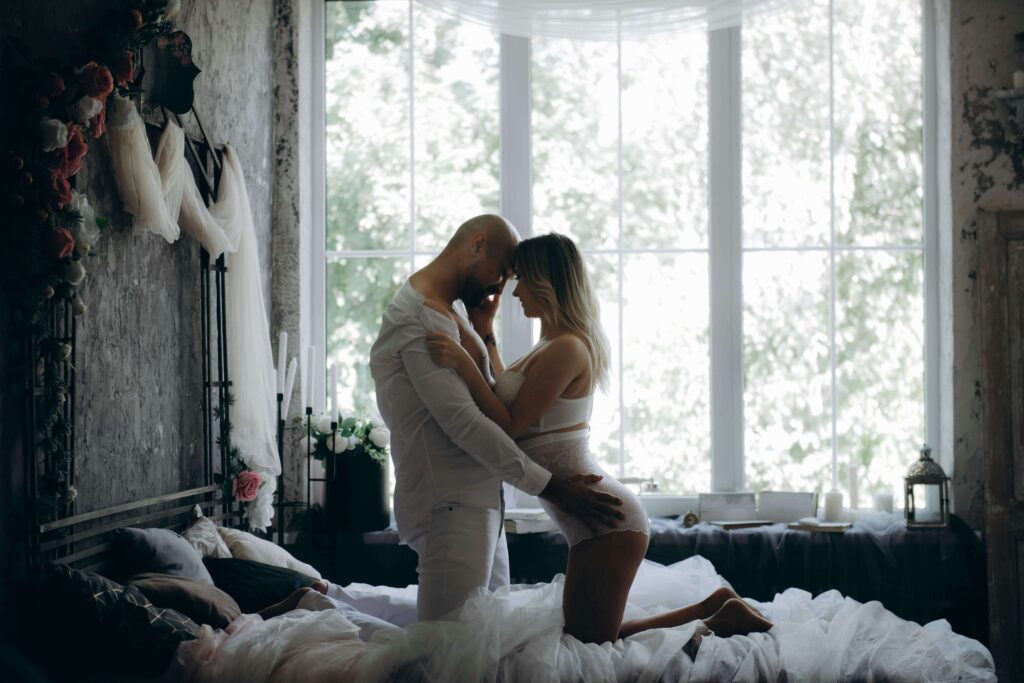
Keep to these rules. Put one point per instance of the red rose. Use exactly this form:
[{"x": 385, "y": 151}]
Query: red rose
[
  {"x": 245, "y": 486},
  {"x": 96, "y": 80},
  {"x": 62, "y": 190},
  {"x": 61, "y": 243},
  {"x": 123, "y": 69},
  {"x": 99, "y": 122},
  {"x": 69, "y": 159}
]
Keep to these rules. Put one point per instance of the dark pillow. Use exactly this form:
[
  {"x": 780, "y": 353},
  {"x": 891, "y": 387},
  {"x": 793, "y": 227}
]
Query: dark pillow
[
  {"x": 84, "y": 623},
  {"x": 161, "y": 551},
  {"x": 201, "y": 602},
  {"x": 252, "y": 584}
]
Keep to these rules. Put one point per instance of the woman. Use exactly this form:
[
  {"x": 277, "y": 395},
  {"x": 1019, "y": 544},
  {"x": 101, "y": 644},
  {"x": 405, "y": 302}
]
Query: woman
[{"x": 544, "y": 401}]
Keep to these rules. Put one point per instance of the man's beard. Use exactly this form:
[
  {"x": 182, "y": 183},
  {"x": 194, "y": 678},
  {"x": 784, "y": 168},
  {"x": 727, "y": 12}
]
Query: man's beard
[{"x": 472, "y": 292}]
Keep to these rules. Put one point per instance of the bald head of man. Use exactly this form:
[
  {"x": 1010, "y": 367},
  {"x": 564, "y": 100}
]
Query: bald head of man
[{"x": 481, "y": 251}]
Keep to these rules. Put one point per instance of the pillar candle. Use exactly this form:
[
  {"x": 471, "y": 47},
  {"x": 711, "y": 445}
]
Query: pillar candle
[
  {"x": 833, "y": 506},
  {"x": 310, "y": 379},
  {"x": 289, "y": 386},
  {"x": 852, "y": 473},
  {"x": 883, "y": 501},
  {"x": 1018, "y": 79},
  {"x": 282, "y": 359},
  {"x": 334, "y": 392}
]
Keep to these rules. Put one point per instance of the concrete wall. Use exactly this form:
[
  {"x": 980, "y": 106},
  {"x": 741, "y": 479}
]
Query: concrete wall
[
  {"x": 983, "y": 176},
  {"x": 138, "y": 401}
]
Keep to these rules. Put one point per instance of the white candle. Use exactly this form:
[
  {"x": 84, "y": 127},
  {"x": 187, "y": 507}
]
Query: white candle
[
  {"x": 304, "y": 371},
  {"x": 883, "y": 501},
  {"x": 282, "y": 359},
  {"x": 833, "y": 506},
  {"x": 289, "y": 386},
  {"x": 1018, "y": 79},
  {"x": 310, "y": 379},
  {"x": 334, "y": 392},
  {"x": 854, "y": 490}
]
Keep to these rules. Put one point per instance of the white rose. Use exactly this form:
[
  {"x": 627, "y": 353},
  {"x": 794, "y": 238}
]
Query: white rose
[
  {"x": 74, "y": 272},
  {"x": 352, "y": 443},
  {"x": 337, "y": 444},
  {"x": 54, "y": 134},
  {"x": 87, "y": 231},
  {"x": 380, "y": 437},
  {"x": 307, "y": 445},
  {"x": 84, "y": 109},
  {"x": 171, "y": 8},
  {"x": 323, "y": 424},
  {"x": 78, "y": 307}
]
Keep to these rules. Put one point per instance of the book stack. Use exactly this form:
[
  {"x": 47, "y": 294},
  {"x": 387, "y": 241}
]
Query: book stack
[
  {"x": 528, "y": 521},
  {"x": 815, "y": 524}
]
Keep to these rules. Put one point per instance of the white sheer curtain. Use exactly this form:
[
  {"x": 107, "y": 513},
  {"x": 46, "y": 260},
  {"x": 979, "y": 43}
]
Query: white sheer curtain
[{"x": 607, "y": 20}]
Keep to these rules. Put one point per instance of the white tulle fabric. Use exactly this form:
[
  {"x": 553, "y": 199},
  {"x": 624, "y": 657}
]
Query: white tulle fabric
[
  {"x": 161, "y": 193},
  {"x": 604, "y": 20},
  {"x": 516, "y": 635},
  {"x": 145, "y": 194}
]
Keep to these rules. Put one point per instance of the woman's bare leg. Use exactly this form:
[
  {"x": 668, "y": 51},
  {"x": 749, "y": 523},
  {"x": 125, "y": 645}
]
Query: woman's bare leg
[
  {"x": 684, "y": 615},
  {"x": 597, "y": 581},
  {"x": 737, "y": 618},
  {"x": 292, "y": 601}
]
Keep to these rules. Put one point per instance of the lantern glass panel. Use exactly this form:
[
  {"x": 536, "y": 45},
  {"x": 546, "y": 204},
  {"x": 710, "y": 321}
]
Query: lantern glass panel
[{"x": 926, "y": 504}]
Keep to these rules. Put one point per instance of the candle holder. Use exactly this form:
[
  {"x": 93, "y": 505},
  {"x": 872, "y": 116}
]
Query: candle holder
[{"x": 280, "y": 477}]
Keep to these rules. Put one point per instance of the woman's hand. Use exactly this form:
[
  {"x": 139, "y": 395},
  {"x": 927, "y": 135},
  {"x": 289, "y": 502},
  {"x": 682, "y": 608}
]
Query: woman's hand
[
  {"x": 482, "y": 316},
  {"x": 448, "y": 353}
]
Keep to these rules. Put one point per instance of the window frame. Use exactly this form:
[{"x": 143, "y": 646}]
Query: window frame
[{"x": 725, "y": 248}]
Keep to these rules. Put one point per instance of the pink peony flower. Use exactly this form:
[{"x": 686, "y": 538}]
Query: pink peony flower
[
  {"x": 99, "y": 122},
  {"x": 69, "y": 159},
  {"x": 245, "y": 486},
  {"x": 62, "y": 190},
  {"x": 123, "y": 68}
]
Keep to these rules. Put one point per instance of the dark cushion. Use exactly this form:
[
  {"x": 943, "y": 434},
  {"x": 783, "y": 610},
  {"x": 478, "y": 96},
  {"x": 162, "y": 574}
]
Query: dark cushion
[
  {"x": 160, "y": 551},
  {"x": 254, "y": 585},
  {"x": 201, "y": 602},
  {"x": 84, "y": 623}
]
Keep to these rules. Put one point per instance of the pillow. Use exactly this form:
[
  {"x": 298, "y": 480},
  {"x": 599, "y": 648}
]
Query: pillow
[
  {"x": 136, "y": 551},
  {"x": 84, "y": 622},
  {"x": 202, "y": 535},
  {"x": 255, "y": 585},
  {"x": 245, "y": 546},
  {"x": 200, "y": 602}
]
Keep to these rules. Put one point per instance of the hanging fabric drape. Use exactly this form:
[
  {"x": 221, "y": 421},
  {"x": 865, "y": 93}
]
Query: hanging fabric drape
[
  {"x": 606, "y": 20},
  {"x": 162, "y": 195}
]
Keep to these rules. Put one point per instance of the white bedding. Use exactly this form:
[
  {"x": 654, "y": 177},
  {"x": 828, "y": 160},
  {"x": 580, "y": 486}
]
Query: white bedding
[{"x": 366, "y": 633}]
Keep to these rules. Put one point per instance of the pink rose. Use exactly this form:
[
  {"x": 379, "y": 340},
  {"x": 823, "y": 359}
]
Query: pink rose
[
  {"x": 123, "y": 68},
  {"x": 99, "y": 122},
  {"x": 69, "y": 159},
  {"x": 62, "y": 190},
  {"x": 61, "y": 243},
  {"x": 96, "y": 80},
  {"x": 245, "y": 486}
]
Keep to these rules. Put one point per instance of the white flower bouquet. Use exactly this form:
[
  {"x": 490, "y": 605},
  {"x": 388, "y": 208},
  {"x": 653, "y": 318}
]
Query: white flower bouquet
[{"x": 353, "y": 436}]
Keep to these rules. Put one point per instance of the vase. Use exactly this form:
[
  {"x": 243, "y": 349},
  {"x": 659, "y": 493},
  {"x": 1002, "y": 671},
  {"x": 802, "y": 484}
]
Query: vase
[{"x": 356, "y": 493}]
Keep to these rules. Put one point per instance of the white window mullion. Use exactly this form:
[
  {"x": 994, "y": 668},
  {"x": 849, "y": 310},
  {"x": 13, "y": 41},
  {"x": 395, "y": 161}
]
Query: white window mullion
[
  {"x": 318, "y": 196},
  {"x": 516, "y": 176},
  {"x": 725, "y": 241},
  {"x": 412, "y": 139},
  {"x": 620, "y": 370},
  {"x": 832, "y": 244}
]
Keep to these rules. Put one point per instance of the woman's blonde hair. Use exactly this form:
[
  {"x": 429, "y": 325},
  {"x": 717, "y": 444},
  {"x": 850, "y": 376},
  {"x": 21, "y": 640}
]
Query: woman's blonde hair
[{"x": 551, "y": 266}]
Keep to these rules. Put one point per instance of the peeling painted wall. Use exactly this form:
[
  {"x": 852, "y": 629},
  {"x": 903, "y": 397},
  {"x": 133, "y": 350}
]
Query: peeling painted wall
[
  {"x": 987, "y": 172},
  {"x": 138, "y": 407}
]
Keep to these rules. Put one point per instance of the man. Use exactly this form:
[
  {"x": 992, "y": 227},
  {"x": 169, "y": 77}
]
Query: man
[{"x": 449, "y": 458}]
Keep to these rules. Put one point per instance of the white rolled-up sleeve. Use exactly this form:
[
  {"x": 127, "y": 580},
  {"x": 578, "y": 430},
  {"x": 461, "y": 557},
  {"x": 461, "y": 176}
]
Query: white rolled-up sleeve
[{"x": 450, "y": 402}]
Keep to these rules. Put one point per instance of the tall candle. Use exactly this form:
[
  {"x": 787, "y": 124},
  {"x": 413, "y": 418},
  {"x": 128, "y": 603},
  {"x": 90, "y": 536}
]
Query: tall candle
[
  {"x": 310, "y": 379},
  {"x": 854, "y": 490},
  {"x": 883, "y": 501},
  {"x": 334, "y": 392},
  {"x": 289, "y": 386},
  {"x": 833, "y": 506},
  {"x": 304, "y": 372},
  {"x": 282, "y": 359}
]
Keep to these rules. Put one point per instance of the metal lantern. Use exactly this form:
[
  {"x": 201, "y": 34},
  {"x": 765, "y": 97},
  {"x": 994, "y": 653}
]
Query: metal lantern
[{"x": 926, "y": 494}]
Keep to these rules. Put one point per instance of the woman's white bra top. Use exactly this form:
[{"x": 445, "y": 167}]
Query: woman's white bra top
[{"x": 565, "y": 412}]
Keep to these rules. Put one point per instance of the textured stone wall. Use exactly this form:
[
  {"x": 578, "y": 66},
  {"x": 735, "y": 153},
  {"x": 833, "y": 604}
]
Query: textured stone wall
[
  {"x": 983, "y": 176},
  {"x": 138, "y": 404}
]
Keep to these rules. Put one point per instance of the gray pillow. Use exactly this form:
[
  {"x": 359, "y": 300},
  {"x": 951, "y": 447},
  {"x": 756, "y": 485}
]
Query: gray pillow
[{"x": 138, "y": 551}]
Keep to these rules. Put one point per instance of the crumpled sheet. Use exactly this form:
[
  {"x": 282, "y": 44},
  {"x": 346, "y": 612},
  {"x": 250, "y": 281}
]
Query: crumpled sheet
[{"x": 516, "y": 635}]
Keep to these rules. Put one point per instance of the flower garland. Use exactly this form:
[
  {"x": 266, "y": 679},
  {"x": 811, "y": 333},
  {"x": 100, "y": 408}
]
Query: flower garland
[
  {"x": 50, "y": 114},
  {"x": 354, "y": 435}
]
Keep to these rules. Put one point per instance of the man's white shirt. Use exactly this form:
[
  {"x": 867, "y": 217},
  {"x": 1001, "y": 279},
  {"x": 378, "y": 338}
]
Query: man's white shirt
[{"x": 445, "y": 450}]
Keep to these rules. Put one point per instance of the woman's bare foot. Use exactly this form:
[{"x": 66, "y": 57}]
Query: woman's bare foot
[
  {"x": 737, "y": 618},
  {"x": 714, "y": 602},
  {"x": 320, "y": 586},
  {"x": 288, "y": 604}
]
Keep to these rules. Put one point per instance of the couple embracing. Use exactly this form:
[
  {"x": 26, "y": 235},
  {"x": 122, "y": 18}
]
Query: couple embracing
[{"x": 462, "y": 423}]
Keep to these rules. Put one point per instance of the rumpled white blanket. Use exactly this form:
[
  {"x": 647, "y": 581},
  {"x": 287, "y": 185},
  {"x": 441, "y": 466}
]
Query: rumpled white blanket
[
  {"x": 516, "y": 635},
  {"x": 162, "y": 195}
]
